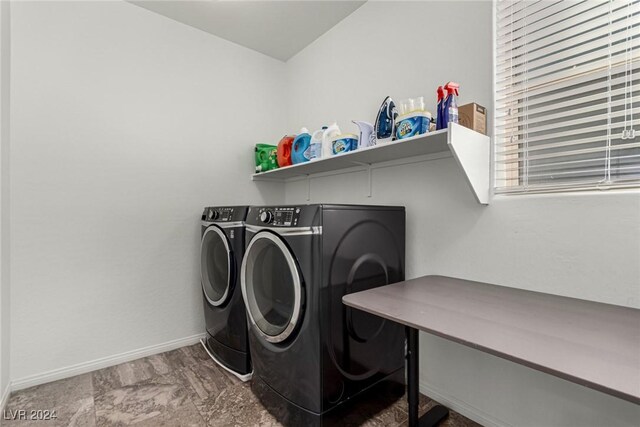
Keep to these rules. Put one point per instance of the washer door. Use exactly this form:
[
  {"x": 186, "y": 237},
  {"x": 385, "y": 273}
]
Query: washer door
[
  {"x": 271, "y": 287},
  {"x": 216, "y": 266}
]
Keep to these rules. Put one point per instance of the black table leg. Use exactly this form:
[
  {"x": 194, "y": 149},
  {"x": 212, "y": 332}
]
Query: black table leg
[{"x": 436, "y": 414}]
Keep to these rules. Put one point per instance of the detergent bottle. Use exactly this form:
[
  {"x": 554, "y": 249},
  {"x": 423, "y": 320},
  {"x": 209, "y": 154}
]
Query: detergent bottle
[
  {"x": 266, "y": 157},
  {"x": 284, "y": 151},
  {"x": 328, "y": 135},
  {"x": 450, "y": 104},
  {"x": 344, "y": 143},
  {"x": 439, "y": 108},
  {"x": 315, "y": 144},
  {"x": 301, "y": 149}
]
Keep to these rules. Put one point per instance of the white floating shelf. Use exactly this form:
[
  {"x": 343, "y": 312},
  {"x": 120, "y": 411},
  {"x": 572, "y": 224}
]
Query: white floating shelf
[{"x": 470, "y": 149}]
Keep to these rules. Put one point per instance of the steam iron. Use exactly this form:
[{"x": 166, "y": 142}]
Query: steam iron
[{"x": 385, "y": 120}]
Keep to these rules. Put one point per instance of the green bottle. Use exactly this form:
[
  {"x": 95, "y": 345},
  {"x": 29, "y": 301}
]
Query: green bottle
[{"x": 266, "y": 157}]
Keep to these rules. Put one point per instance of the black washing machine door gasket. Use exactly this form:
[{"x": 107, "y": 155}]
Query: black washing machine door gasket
[
  {"x": 262, "y": 242},
  {"x": 215, "y": 232}
]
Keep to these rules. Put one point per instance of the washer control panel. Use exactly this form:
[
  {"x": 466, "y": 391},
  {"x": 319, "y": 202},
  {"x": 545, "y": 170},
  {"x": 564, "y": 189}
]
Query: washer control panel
[
  {"x": 218, "y": 214},
  {"x": 279, "y": 216}
]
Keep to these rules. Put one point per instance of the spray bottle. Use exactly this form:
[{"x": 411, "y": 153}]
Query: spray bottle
[
  {"x": 440, "y": 110},
  {"x": 450, "y": 104}
]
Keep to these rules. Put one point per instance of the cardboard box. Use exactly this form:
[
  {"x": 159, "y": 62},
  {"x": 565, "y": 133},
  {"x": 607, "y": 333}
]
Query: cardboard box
[{"x": 473, "y": 116}]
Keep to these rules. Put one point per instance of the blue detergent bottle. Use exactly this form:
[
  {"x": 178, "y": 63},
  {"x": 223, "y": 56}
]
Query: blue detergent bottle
[
  {"x": 450, "y": 104},
  {"x": 301, "y": 148}
]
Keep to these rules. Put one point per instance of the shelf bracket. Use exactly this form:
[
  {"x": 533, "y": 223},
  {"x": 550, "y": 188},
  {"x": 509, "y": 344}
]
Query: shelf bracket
[
  {"x": 369, "y": 174},
  {"x": 308, "y": 187},
  {"x": 472, "y": 152}
]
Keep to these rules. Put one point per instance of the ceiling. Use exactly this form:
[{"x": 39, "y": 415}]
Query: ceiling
[{"x": 279, "y": 29}]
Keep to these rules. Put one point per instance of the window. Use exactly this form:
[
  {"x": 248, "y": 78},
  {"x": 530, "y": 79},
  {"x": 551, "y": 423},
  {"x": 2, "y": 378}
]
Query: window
[{"x": 567, "y": 95}]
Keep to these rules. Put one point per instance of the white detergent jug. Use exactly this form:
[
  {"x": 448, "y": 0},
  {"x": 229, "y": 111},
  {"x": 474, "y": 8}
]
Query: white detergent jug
[
  {"x": 330, "y": 133},
  {"x": 315, "y": 146}
]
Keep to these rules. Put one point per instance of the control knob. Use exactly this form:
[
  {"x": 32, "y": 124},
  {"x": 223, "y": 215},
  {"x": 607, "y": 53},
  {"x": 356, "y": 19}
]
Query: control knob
[
  {"x": 266, "y": 217},
  {"x": 213, "y": 215}
]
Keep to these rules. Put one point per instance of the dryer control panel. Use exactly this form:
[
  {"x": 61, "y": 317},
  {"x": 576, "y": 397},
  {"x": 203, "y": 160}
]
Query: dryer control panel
[
  {"x": 279, "y": 216},
  {"x": 284, "y": 216},
  {"x": 224, "y": 214}
]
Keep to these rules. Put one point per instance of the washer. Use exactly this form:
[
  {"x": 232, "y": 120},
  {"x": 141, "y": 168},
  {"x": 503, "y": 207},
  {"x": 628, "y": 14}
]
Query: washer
[
  {"x": 310, "y": 352},
  {"x": 221, "y": 251}
]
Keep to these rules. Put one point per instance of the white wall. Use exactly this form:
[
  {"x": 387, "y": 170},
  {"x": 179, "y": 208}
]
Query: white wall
[
  {"x": 125, "y": 124},
  {"x": 5, "y": 34},
  {"x": 581, "y": 245}
]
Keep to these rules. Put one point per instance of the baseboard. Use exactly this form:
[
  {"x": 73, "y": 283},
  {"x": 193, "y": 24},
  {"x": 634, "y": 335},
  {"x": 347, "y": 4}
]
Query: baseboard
[
  {"x": 105, "y": 362},
  {"x": 4, "y": 398},
  {"x": 463, "y": 408}
]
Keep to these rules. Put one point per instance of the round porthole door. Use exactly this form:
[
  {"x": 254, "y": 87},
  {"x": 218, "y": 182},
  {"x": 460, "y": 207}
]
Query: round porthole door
[
  {"x": 271, "y": 287},
  {"x": 216, "y": 266}
]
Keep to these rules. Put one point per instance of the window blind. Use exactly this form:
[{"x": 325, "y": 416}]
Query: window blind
[{"x": 567, "y": 95}]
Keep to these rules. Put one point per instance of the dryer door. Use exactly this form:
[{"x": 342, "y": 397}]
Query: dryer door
[
  {"x": 215, "y": 265},
  {"x": 271, "y": 287}
]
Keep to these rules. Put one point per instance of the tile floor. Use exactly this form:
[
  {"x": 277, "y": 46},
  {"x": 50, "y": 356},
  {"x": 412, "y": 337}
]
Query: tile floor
[{"x": 183, "y": 387}]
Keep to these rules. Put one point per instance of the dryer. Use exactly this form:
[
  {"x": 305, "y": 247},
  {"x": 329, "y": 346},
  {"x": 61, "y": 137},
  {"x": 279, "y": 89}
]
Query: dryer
[
  {"x": 310, "y": 352},
  {"x": 221, "y": 251}
]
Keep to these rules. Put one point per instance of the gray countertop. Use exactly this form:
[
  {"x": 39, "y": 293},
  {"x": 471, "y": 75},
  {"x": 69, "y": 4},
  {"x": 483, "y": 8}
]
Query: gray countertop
[{"x": 593, "y": 344}]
